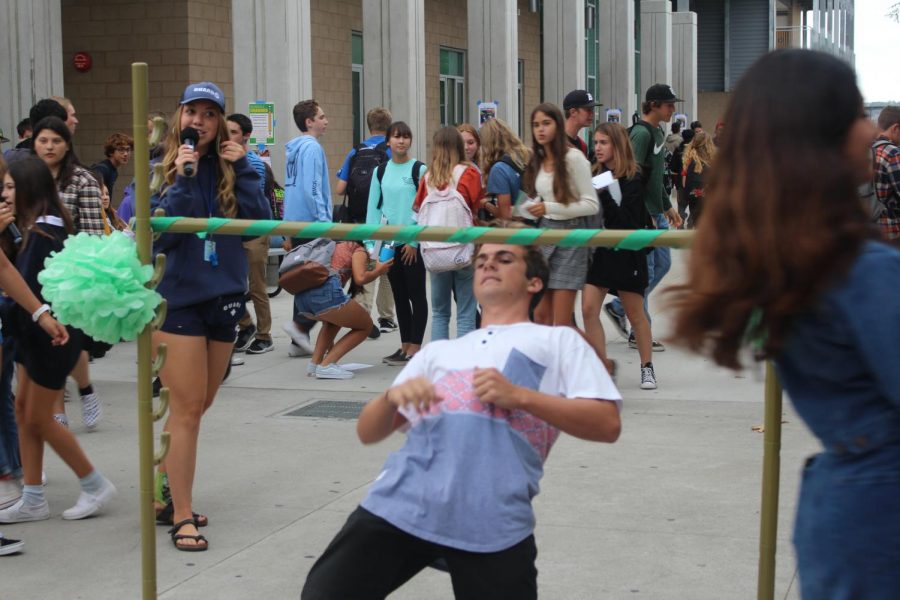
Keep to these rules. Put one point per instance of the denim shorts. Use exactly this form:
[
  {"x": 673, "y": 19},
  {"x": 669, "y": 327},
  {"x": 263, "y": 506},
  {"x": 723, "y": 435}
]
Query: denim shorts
[
  {"x": 328, "y": 296},
  {"x": 214, "y": 319}
]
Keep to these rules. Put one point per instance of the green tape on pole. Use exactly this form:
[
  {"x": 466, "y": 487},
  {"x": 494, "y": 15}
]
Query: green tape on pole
[
  {"x": 577, "y": 238},
  {"x": 468, "y": 235},
  {"x": 261, "y": 228},
  {"x": 362, "y": 232},
  {"x": 315, "y": 230},
  {"x": 162, "y": 224},
  {"x": 525, "y": 237},
  {"x": 214, "y": 223},
  {"x": 408, "y": 233},
  {"x": 640, "y": 239}
]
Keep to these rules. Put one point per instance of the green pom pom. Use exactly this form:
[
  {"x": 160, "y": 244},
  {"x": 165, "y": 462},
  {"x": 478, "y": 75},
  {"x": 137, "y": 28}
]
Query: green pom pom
[{"x": 97, "y": 284}]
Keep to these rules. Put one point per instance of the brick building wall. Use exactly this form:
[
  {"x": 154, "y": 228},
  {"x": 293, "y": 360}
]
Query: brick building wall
[
  {"x": 180, "y": 41},
  {"x": 332, "y": 24},
  {"x": 445, "y": 25}
]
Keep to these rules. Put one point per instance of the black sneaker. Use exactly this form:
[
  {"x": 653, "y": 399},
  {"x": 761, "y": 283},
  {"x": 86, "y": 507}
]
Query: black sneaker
[
  {"x": 386, "y": 325},
  {"x": 397, "y": 361},
  {"x": 619, "y": 321},
  {"x": 655, "y": 346},
  {"x": 260, "y": 347},
  {"x": 396, "y": 355},
  {"x": 8, "y": 546},
  {"x": 375, "y": 333},
  {"x": 244, "y": 337},
  {"x": 648, "y": 377}
]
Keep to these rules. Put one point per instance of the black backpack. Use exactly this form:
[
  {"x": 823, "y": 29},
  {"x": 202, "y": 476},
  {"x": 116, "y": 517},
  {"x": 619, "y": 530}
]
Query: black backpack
[
  {"x": 646, "y": 165},
  {"x": 365, "y": 161},
  {"x": 382, "y": 168}
]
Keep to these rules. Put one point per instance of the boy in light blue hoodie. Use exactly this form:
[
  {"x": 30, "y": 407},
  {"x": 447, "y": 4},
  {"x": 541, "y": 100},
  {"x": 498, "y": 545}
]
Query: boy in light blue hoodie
[
  {"x": 307, "y": 197},
  {"x": 307, "y": 190}
]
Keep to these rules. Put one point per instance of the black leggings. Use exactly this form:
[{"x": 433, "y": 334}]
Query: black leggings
[
  {"x": 370, "y": 558},
  {"x": 410, "y": 302}
]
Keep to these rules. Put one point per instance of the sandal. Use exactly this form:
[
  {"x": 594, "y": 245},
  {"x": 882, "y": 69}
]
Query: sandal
[
  {"x": 166, "y": 516},
  {"x": 176, "y": 537}
]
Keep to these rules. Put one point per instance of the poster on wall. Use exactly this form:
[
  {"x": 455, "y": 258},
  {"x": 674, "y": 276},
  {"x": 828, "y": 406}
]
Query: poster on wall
[
  {"x": 486, "y": 111},
  {"x": 681, "y": 118},
  {"x": 613, "y": 115},
  {"x": 262, "y": 115}
]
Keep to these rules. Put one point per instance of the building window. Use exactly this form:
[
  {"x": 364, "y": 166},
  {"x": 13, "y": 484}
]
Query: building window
[
  {"x": 520, "y": 94},
  {"x": 592, "y": 54},
  {"x": 453, "y": 87},
  {"x": 359, "y": 122}
]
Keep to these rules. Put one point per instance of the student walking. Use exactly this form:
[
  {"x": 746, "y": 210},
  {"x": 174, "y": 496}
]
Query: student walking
[
  {"x": 391, "y": 198},
  {"x": 43, "y": 362},
  {"x": 620, "y": 272},
  {"x": 559, "y": 178},
  {"x": 698, "y": 157},
  {"x": 204, "y": 284}
]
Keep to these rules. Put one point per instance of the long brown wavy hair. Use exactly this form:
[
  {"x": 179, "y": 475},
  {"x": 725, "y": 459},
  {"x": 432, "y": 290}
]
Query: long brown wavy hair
[
  {"x": 700, "y": 152},
  {"x": 782, "y": 220},
  {"x": 447, "y": 151},
  {"x": 559, "y": 146},
  {"x": 225, "y": 196},
  {"x": 498, "y": 139}
]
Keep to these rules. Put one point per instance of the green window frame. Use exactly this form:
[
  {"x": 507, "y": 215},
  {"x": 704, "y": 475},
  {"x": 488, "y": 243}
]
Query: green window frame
[
  {"x": 356, "y": 83},
  {"x": 452, "y": 86}
]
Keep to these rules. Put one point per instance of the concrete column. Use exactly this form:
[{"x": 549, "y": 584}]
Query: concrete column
[
  {"x": 31, "y": 62},
  {"x": 656, "y": 44},
  {"x": 272, "y": 62},
  {"x": 617, "y": 86},
  {"x": 684, "y": 62},
  {"x": 394, "y": 71},
  {"x": 493, "y": 57},
  {"x": 564, "y": 68}
]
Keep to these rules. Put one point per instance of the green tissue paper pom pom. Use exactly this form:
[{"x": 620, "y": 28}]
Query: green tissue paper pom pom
[{"x": 96, "y": 284}]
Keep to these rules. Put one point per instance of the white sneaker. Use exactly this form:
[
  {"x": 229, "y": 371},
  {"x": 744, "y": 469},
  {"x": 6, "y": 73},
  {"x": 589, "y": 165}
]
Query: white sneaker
[
  {"x": 10, "y": 492},
  {"x": 311, "y": 369},
  {"x": 89, "y": 504},
  {"x": 62, "y": 419},
  {"x": 236, "y": 360},
  {"x": 294, "y": 351},
  {"x": 648, "y": 377},
  {"x": 19, "y": 513},
  {"x": 332, "y": 371},
  {"x": 90, "y": 410},
  {"x": 298, "y": 336}
]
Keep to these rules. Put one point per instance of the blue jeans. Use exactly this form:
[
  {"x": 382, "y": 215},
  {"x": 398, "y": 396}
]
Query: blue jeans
[
  {"x": 659, "y": 261},
  {"x": 9, "y": 434},
  {"x": 444, "y": 286}
]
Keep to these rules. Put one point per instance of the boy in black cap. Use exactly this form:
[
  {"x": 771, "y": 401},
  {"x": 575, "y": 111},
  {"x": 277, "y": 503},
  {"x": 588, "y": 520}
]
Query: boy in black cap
[
  {"x": 648, "y": 139},
  {"x": 578, "y": 108}
]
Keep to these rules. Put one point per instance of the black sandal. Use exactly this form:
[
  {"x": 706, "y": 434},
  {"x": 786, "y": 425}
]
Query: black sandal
[
  {"x": 176, "y": 537},
  {"x": 166, "y": 516}
]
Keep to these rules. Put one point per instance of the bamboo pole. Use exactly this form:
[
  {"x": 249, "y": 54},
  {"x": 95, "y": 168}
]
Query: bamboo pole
[
  {"x": 768, "y": 518},
  {"x": 139, "y": 92}
]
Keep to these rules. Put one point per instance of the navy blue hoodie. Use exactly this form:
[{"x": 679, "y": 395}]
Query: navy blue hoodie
[{"x": 189, "y": 279}]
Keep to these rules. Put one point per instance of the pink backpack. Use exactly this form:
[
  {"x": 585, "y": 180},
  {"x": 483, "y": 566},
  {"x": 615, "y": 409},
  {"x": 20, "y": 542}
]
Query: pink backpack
[{"x": 446, "y": 208}]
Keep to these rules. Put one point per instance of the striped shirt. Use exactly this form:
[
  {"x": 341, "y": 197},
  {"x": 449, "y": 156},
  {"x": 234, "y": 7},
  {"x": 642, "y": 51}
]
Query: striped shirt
[{"x": 82, "y": 198}]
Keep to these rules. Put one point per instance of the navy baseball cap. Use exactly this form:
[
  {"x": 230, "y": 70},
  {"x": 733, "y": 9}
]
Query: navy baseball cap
[
  {"x": 205, "y": 90},
  {"x": 579, "y": 99}
]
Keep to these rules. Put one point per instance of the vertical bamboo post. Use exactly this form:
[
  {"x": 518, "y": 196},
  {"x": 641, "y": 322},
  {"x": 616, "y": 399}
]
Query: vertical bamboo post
[
  {"x": 768, "y": 517},
  {"x": 139, "y": 93}
]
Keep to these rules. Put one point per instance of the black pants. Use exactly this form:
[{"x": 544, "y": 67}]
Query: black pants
[
  {"x": 370, "y": 558},
  {"x": 410, "y": 302}
]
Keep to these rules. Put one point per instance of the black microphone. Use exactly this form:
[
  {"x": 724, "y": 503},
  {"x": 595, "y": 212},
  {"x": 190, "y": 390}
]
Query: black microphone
[
  {"x": 14, "y": 233},
  {"x": 190, "y": 137}
]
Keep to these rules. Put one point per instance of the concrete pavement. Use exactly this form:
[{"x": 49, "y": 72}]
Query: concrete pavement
[{"x": 671, "y": 511}]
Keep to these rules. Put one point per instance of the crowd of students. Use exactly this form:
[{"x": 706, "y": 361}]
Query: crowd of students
[{"x": 527, "y": 372}]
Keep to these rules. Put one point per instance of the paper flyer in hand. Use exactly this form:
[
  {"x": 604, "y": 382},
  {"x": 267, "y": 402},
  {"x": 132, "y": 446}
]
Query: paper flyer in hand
[{"x": 606, "y": 180}]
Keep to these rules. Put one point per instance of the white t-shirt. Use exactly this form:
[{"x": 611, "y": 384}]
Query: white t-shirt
[{"x": 467, "y": 473}]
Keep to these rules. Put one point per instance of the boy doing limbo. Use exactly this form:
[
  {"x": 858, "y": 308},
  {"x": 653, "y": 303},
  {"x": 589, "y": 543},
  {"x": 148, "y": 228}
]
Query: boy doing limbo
[{"x": 481, "y": 413}]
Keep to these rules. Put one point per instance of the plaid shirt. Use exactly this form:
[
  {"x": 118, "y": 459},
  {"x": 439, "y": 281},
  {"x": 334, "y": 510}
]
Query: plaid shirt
[
  {"x": 887, "y": 175},
  {"x": 82, "y": 198}
]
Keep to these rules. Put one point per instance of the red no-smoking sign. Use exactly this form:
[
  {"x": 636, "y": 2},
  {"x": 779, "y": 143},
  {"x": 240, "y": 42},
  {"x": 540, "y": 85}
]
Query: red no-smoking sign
[{"x": 82, "y": 61}]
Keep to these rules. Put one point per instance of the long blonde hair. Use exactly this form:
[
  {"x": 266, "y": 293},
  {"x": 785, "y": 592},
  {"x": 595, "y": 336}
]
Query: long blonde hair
[
  {"x": 626, "y": 165},
  {"x": 225, "y": 196},
  {"x": 447, "y": 151},
  {"x": 497, "y": 140},
  {"x": 700, "y": 151}
]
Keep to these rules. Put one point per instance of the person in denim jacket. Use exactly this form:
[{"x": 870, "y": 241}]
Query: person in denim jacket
[{"x": 785, "y": 256}]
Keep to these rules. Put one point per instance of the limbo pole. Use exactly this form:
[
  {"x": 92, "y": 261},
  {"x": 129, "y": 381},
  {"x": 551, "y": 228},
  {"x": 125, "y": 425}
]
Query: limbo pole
[{"x": 768, "y": 514}]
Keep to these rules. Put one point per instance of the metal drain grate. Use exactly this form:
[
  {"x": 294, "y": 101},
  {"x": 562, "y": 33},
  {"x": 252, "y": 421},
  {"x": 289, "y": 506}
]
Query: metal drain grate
[{"x": 328, "y": 409}]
